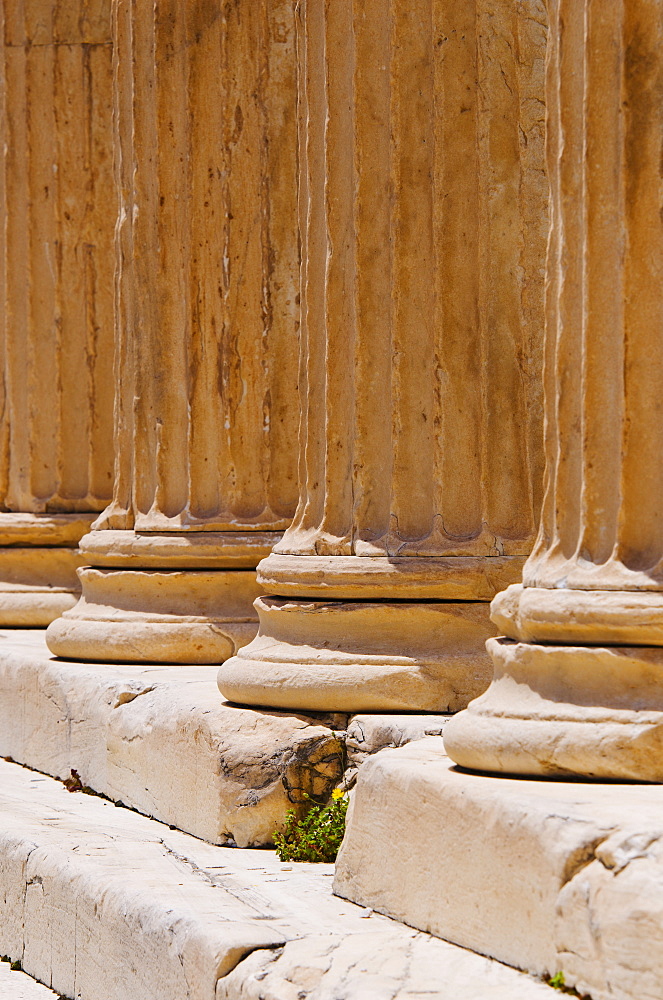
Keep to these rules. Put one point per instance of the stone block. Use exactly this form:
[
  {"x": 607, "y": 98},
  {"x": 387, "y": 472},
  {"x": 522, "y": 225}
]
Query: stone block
[
  {"x": 547, "y": 876},
  {"x": 161, "y": 740},
  {"x": 393, "y": 963},
  {"x": 104, "y": 904}
]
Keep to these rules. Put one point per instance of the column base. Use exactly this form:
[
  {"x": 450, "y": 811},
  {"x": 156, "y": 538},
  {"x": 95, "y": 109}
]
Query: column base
[
  {"x": 162, "y": 616},
  {"x": 349, "y": 657},
  {"x": 38, "y": 564},
  {"x": 566, "y": 711},
  {"x": 37, "y": 585},
  {"x": 163, "y": 597}
]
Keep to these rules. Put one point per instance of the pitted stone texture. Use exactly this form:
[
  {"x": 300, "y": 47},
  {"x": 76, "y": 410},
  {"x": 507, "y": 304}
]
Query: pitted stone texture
[
  {"x": 206, "y": 404},
  {"x": 367, "y": 734},
  {"x": 58, "y": 209},
  {"x": 161, "y": 740},
  {"x": 57, "y": 217},
  {"x": 389, "y": 964},
  {"x": 16, "y": 985},
  {"x": 104, "y": 904},
  {"x": 544, "y": 876}
]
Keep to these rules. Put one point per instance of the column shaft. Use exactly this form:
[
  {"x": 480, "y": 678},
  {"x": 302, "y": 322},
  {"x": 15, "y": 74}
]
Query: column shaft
[
  {"x": 422, "y": 220},
  {"x": 56, "y": 325},
  {"x": 207, "y": 262},
  {"x": 589, "y": 701}
]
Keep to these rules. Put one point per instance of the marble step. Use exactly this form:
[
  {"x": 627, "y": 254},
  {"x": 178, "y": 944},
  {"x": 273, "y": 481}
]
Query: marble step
[
  {"x": 162, "y": 740},
  {"x": 16, "y": 985},
  {"x": 101, "y": 903},
  {"x": 547, "y": 876}
]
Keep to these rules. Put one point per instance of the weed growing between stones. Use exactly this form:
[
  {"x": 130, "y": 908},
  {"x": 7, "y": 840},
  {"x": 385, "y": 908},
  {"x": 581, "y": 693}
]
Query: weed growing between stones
[
  {"x": 316, "y": 837},
  {"x": 559, "y": 983}
]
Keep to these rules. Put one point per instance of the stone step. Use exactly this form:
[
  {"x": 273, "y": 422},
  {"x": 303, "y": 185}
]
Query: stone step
[
  {"x": 101, "y": 903},
  {"x": 16, "y": 985},
  {"x": 547, "y": 876},
  {"x": 163, "y": 741}
]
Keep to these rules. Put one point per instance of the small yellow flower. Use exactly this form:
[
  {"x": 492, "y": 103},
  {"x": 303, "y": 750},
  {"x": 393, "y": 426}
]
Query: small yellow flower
[{"x": 337, "y": 794}]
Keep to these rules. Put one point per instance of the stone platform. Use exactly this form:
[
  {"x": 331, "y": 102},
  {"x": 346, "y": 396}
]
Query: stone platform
[
  {"x": 547, "y": 876},
  {"x": 16, "y": 985},
  {"x": 161, "y": 740},
  {"x": 100, "y": 903}
]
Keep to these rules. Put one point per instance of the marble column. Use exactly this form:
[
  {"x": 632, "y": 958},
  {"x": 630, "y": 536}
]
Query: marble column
[
  {"x": 578, "y": 679},
  {"x": 206, "y": 373},
  {"x": 422, "y": 206},
  {"x": 56, "y": 297}
]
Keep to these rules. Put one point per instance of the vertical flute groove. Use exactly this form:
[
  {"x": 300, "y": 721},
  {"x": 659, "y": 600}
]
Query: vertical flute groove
[
  {"x": 423, "y": 207},
  {"x": 601, "y": 525},
  {"x": 207, "y": 266},
  {"x": 58, "y": 219}
]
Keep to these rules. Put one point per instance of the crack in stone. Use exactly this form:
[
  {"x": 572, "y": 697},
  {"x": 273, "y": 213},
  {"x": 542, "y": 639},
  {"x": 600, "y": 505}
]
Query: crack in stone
[
  {"x": 582, "y": 857},
  {"x": 126, "y": 697}
]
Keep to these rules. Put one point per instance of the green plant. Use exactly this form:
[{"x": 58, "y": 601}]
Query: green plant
[
  {"x": 316, "y": 837},
  {"x": 558, "y": 982}
]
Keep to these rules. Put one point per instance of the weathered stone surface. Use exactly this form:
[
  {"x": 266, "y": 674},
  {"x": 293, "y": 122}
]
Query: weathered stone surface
[
  {"x": 544, "y": 876},
  {"x": 57, "y": 212},
  {"x": 566, "y": 710},
  {"x": 100, "y": 902},
  {"x": 367, "y": 734},
  {"x": 166, "y": 615},
  {"x": 595, "y": 575},
  {"x": 393, "y": 963},
  {"x": 160, "y": 740},
  {"x": 416, "y": 656},
  {"x": 206, "y": 331},
  {"x": 15, "y": 985},
  {"x": 423, "y": 220}
]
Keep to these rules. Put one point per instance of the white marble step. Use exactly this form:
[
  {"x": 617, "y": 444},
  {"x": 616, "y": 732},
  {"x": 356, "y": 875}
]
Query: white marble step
[
  {"x": 162, "y": 740},
  {"x": 101, "y": 903},
  {"x": 549, "y": 876},
  {"x": 15, "y": 985}
]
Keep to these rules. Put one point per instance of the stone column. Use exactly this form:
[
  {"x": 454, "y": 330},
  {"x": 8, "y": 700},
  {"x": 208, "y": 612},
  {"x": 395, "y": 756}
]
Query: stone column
[
  {"x": 422, "y": 219},
  {"x": 207, "y": 263},
  {"x": 577, "y": 687},
  {"x": 56, "y": 297}
]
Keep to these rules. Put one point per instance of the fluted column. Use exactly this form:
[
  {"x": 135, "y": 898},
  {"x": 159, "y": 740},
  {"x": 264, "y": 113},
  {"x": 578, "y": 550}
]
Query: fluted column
[
  {"x": 56, "y": 297},
  {"x": 577, "y": 688},
  {"x": 207, "y": 261},
  {"x": 422, "y": 218}
]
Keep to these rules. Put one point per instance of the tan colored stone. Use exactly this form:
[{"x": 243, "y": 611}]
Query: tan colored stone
[
  {"x": 422, "y": 219},
  {"x": 594, "y": 576},
  {"x": 538, "y": 614},
  {"x": 410, "y": 656},
  {"x": 56, "y": 298},
  {"x": 566, "y": 710},
  {"x": 206, "y": 333},
  {"x": 388, "y": 577},
  {"x": 545, "y": 876},
  {"x": 168, "y": 616},
  {"x": 160, "y": 740}
]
